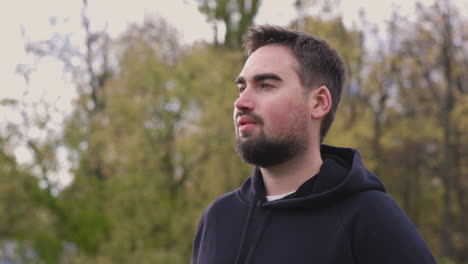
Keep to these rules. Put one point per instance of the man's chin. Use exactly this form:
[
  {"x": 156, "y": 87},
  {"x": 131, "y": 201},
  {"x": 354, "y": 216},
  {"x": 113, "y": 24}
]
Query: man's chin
[
  {"x": 246, "y": 135},
  {"x": 263, "y": 152}
]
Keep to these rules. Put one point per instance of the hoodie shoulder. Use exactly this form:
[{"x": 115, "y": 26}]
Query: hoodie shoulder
[
  {"x": 222, "y": 202},
  {"x": 217, "y": 212}
]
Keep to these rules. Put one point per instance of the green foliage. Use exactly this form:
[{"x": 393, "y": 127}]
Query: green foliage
[
  {"x": 48, "y": 247},
  {"x": 27, "y": 220}
]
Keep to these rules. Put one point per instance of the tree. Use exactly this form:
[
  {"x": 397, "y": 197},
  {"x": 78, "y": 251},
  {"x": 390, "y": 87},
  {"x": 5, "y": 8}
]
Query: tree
[
  {"x": 27, "y": 224},
  {"x": 236, "y": 15},
  {"x": 441, "y": 48}
]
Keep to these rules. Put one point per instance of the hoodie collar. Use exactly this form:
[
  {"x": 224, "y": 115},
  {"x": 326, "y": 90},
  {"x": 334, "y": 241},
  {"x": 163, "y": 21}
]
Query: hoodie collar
[{"x": 341, "y": 174}]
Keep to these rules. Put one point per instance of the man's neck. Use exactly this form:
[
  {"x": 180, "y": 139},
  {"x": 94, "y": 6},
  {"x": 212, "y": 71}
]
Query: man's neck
[{"x": 288, "y": 176}]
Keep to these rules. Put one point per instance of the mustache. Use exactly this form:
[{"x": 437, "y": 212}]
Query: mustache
[{"x": 253, "y": 116}]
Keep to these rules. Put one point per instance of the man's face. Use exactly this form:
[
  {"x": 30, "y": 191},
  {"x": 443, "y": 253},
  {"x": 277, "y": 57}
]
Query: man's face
[{"x": 271, "y": 115}]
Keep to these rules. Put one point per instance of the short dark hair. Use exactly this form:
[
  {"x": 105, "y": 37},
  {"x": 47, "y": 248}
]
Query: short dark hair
[{"x": 319, "y": 63}]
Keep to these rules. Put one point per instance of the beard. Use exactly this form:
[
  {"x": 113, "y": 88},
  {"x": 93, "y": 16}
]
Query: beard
[{"x": 264, "y": 152}]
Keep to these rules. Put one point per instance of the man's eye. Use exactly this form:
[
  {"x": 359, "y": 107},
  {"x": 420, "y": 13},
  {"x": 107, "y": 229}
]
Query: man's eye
[
  {"x": 241, "y": 89},
  {"x": 265, "y": 85}
]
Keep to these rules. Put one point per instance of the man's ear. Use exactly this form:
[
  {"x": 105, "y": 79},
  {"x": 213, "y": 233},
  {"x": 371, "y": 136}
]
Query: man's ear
[{"x": 320, "y": 102}]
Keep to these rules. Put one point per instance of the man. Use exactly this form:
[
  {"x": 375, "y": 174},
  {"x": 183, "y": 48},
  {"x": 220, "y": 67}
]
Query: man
[{"x": 305, "y": 202}]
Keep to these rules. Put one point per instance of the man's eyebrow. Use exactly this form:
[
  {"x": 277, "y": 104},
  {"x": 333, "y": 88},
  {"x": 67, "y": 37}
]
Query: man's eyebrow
[
  {"x": 260, "y": 77},
  {"x": 240, "y": 80},
  {"x": 264, "y": 76}
]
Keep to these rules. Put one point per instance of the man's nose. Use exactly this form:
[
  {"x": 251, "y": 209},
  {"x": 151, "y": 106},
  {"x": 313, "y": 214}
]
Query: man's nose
[{"x": 245, "y": 101}]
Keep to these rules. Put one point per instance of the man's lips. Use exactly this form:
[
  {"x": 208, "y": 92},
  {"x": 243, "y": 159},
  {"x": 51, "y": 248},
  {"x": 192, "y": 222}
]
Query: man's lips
[{"x": 245, "y": 123}]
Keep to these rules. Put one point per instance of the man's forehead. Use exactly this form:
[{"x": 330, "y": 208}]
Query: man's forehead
[{"x": 270, "y": 59}]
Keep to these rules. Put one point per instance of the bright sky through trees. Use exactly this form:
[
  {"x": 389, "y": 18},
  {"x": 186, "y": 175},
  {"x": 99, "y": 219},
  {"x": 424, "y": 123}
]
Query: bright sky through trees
[{"x": 25, "y": 21}]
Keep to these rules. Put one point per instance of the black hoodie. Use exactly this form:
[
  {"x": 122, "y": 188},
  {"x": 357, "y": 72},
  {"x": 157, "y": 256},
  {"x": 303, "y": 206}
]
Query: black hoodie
[{"x": 341, "y": 215}]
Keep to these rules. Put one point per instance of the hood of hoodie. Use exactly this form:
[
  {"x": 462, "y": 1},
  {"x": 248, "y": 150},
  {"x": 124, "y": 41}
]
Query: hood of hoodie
[{"x": 342, "y": 174}]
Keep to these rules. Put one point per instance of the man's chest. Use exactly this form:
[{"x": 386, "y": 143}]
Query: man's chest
[{"x": 285, "y": 238}]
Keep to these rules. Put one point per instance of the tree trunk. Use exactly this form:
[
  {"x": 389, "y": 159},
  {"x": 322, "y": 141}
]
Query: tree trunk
[{"x": 448, "y": 149}]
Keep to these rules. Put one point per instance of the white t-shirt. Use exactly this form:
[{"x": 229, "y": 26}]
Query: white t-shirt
[{"x": 277, "y": 197}]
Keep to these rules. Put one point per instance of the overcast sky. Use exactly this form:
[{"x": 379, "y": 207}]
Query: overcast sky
[{"x": 28, "y": 20}]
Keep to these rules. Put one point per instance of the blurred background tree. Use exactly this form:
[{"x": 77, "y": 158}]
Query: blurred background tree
[{"x": 150, "y": 138}]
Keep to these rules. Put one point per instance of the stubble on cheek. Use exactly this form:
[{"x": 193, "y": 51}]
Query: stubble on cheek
[{"x": 292, "y": 122}]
